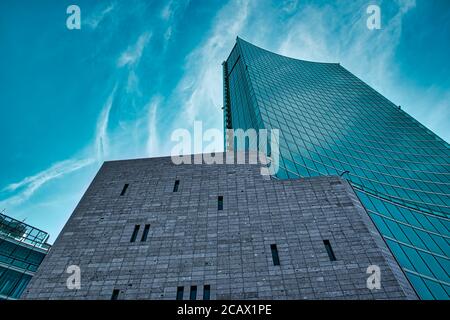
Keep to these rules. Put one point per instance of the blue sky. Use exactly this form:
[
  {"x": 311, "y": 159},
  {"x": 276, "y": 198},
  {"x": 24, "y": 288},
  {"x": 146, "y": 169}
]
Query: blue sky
[{"x": 137, "y": 70}]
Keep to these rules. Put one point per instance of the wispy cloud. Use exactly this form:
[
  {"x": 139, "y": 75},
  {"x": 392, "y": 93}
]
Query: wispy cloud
[
  {"x": 29, "y": 185},
  {"x": 338, "y": 33},
  {"x": 289, "y": 6},
  {"x": 101, "y": 135},
  {"x": 25, "y": 188},
  {"x": 133, "y": 54},
  {"x": 132, "y": 86},
  {"x": 130, "y": 58},
  {"x": 152, "y": 137},
  {"x": 168, "y": 10},
  {"x": 200, "y": 86},
  {"x": 172, "y": 9},
  {"x": 94, "y": 20},
  {"x": 433, "y": 110}
]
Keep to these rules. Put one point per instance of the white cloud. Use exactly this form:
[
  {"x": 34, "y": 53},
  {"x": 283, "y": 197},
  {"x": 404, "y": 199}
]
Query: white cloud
[
  {"x": 25, "y": 188},
  {"x": 131, "y": 57},
  {"x": 31, "y": 184},
  {"x": 174, "y": 8},
  {"x": 95, "y": 19},
  {"x": 152, "y": 137},
  {"x": 432, "y": 107},
  {"x": 133, "y": 54},
  {"x": 201, "y": 86},
  {"x": 133, "y": 83},
  {"x": 338, "y": 33},
  {"x": 167, "y": 11},
  {"x": 101, "y": 135},
  {"x": 289, "y": 6}
]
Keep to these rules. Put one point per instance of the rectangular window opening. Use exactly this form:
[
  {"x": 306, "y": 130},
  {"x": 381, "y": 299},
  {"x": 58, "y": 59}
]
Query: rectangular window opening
[
  {"x": 115, "y": 294},
  {"x": 220, "y": 203},
  {"x": 145, "y": 234},
  {"x": 176, "y": 185},
  {"x": 329, "y": 250},
  {"x": 180, "y": 291},
  {"x": 206, "y": 292},
  {"x": 275, "y": 257},
  {"x": 193, "y": 295},
  {"x": 124, "y": 190},
  {"x": 135, "y": 233}
]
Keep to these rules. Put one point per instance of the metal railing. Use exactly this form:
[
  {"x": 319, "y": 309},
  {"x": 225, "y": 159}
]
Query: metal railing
[{"x": 22, "y": 232}]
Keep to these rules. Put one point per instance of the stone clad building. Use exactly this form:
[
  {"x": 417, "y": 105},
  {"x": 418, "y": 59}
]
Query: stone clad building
[{"x": 150, "y": 229}]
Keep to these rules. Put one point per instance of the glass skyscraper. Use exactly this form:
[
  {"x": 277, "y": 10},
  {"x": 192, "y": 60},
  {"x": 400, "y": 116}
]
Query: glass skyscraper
[
  {"x": 22, "y": 249},
  {"x": 332, "y": 123}
]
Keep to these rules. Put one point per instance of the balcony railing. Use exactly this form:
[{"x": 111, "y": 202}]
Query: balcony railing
[{"x": 22, "y": 232}]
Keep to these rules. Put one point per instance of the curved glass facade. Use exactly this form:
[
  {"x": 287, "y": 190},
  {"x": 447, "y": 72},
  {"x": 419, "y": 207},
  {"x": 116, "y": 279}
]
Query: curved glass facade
[{"x": 332, "y": 123}]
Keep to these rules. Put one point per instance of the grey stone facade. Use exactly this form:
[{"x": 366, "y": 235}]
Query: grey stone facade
[{"x": 192, "y": 243}]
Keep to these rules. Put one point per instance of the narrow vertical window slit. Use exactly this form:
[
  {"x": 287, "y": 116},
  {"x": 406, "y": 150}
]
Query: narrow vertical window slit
[
  {"x": 176, "y": 185},
  {"x": 115, "y": 294},
  {"x": 180, "y": 292},
  {"x": 124, "y": 189},
  {"x": 135, "y": 233},
  {"x": 329, "y": 250},
  {"x": 220, "y": 203},
  {"x": 206, "y": 292},
  {"x": 193, "y": 294},
  {"x": 145, "y": 233},
  {"x": 275, "y": 257}
]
